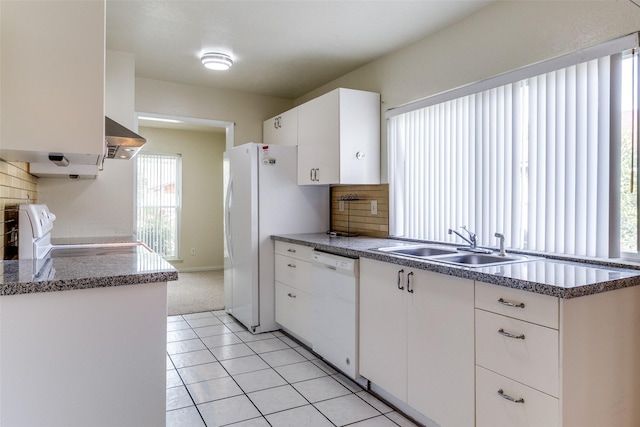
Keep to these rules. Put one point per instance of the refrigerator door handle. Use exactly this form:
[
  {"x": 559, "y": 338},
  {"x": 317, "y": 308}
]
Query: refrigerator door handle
[{"x": 227, "y": 233}]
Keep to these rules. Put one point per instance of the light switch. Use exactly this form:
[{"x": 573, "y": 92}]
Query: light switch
[{"x": 374, "y": 207}]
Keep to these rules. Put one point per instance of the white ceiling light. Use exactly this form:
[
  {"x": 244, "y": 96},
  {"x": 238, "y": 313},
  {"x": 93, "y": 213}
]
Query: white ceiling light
[{"x": 216, "y": 61}]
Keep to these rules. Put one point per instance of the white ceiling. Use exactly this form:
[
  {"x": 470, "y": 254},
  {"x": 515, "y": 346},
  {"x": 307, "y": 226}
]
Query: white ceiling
[{"x": 280, "y": 48}]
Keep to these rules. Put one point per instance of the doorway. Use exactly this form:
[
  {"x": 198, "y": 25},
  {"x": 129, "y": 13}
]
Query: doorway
[{"x": 200, "y": 143}]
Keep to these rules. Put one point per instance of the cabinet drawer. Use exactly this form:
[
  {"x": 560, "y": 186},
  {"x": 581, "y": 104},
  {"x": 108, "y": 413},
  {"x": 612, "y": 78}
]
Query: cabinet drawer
[
  {"x": 293, "y": 310},
  {"x": 493, "y": 410},
  {"x": 527, "y": 306},
  {"x": 295, "y": 251},
  {"x": 293, "y": 272},
  {"x": 532, "y": 360}
]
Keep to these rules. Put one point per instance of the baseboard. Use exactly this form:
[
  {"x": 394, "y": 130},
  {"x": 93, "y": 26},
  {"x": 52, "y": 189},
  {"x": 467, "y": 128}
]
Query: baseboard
[{"x": 196, "y": 269}]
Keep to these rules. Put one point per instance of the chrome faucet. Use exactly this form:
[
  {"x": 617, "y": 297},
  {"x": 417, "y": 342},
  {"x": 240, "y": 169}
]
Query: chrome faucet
[
  {"x": 501, "y": 237},
  {"x": 472, "y": 236}
]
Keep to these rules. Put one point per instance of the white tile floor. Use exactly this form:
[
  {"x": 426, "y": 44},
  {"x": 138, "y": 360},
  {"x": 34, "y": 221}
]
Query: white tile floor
[{"x": 218, "y": 374}]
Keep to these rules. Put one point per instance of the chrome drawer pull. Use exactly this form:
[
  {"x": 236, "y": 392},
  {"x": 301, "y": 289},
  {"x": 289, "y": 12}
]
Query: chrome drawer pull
[
  {"x": 508, "y": 335},
  {"x": 290, "y": 295},
  {"x": 511, "y": 304},
  {"x": 291, "y": 265},
  {"x": 509, "y": 398},
  {"x": 291, "y": 250}
]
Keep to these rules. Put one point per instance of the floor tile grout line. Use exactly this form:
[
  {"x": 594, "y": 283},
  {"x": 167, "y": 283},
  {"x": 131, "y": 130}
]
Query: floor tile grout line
[{"x": 187, "y": 390}]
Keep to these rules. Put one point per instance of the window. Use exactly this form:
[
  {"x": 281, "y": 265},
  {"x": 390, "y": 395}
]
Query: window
[
  {"x": 536, "y": 155},
  {"x": 158, "y": 202}
]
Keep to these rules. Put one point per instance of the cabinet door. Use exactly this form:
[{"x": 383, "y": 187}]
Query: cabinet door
[
  {"x": 282, "y": 129},
  {"x": 441, "y": 348},
  {"x": 319, "y": 140},
  {"x": 383, "y": 326},
  {"x": 53, "y": 74}
]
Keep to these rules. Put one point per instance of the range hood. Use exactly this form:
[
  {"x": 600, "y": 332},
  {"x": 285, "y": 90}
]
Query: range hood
[{"x": 121, "y": 142}]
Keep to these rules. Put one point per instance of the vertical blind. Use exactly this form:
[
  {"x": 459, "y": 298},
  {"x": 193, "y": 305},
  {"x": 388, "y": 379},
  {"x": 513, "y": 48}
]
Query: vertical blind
[
  {"x": 530, "y": 159},
  {"x": 158, "y": 202}
]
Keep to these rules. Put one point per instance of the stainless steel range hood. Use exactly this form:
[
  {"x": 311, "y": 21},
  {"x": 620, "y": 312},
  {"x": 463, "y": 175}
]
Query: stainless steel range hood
[{"x": 121, "y": 142}]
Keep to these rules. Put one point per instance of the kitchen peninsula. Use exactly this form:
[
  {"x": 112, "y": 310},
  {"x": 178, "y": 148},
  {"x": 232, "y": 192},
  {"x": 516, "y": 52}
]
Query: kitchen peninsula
[
  {"x": 83, "y": 338},
  {"x": 542, "y": 342}
]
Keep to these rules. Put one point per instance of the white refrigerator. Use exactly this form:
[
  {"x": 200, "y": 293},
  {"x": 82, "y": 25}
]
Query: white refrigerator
[{"x": 262, "y": 199}]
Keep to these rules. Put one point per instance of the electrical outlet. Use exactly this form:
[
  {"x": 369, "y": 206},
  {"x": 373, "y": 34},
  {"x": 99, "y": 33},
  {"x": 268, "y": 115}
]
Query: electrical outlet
[
  {"x": 193, "y": 251},
  {"x": 341, "y": 205},
  {"x": 374, "y": 207}
]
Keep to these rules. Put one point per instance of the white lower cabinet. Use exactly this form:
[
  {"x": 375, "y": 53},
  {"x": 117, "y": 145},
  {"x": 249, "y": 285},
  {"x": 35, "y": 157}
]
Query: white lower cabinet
[
  {"x": 549, "y": 362},
  {"x": 293, "y": 289},
  {"x": 417, "y": 339}
]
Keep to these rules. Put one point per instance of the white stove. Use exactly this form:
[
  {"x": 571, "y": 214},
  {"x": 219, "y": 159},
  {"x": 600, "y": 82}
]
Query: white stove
[{"x": 35, "y": 223}]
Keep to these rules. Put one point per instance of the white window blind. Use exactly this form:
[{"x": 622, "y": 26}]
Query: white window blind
[
  {"x": 158, "y": 202},
  {"x": 531, "y": 159}
]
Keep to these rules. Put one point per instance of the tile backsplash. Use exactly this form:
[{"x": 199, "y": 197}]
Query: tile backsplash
[
  {"x": 355, "y": 215},
  {"x": 16, "y": 184}
]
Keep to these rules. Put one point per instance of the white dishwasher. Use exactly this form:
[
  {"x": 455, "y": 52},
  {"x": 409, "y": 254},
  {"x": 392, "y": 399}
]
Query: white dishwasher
[{"x": 334, "y": 310}]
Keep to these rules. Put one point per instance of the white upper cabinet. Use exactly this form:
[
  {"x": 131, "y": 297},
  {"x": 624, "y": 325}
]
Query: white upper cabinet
[
  {"x": 339, "y": 138},
  {"x": 281, "y": 129},
  {"x": 52, "y": 59}
]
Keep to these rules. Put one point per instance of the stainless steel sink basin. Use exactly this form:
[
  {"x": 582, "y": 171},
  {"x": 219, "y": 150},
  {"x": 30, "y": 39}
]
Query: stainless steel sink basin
[
  {"x": 480, "y": 260},
  {"x": 418, "y": 251}
]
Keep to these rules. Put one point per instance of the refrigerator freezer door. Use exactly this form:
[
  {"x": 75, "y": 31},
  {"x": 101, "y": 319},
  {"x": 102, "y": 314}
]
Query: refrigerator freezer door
[{"x": 242, "y": 219}]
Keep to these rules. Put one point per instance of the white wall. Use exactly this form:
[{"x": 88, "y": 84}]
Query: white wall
[
  {"x": 201, "y": 221},
  {"x": 104, "y": 206},
  {"x": 247, "y": 111},
  {"x": 504, "y": 36}
]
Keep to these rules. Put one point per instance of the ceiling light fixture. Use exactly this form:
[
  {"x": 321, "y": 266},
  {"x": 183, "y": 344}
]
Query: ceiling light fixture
[{"x": 216, "y": 61}]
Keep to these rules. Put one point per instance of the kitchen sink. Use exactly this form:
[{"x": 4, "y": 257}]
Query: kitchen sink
[
  {"x": 481, "y": 260},
  {"x": 418, "y": 251},
  {"x": 453, "y": 256}
]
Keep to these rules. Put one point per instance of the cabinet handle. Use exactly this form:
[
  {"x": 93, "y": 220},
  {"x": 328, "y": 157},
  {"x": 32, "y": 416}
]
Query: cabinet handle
[
  {"x": 502, "y": 394},
  {"x": 409, "y": 282},
  {"x": 508, "y": 335},
  {"x": 291, "y": 250},
  {"x": 400, "y": 279},
  {"x": 290, "y": 295},
  {"x": 291, "y": 265},
  {"x": 510, "y": 304},
  {"x": 311, "y": 174},
  {"x": 317, "y": 172}
]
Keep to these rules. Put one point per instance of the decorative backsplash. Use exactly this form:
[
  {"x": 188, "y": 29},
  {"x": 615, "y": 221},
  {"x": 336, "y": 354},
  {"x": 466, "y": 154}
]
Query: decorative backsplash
[
  {"x": 355, "y": 216},
  {"x": 16, "y": 184}
]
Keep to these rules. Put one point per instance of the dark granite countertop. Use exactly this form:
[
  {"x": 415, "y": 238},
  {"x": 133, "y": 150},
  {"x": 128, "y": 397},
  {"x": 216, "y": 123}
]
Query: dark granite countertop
[
  {"x": 132, "y": 264},
  {"x": 556, "y": 277}
]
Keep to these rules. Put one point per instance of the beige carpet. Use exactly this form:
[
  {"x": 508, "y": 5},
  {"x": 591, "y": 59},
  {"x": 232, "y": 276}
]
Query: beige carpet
[{"x": 196, "y": 292}]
